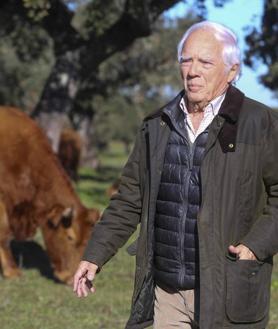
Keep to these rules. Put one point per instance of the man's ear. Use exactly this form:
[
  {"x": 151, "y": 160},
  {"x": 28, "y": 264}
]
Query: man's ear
[{"x": 234, "y": 70}]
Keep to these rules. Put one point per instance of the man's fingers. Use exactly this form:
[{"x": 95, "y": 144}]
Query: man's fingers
[
  {"x": 75, "y": 282},
  {"x": 243, "y": 252},
  {"x": 79, "y": 291},
  {"x": 92, "y": 269},
  {"x": 234, "y": 250},
  {"x": 78, "y": 275},
  {"x": 90, "y": 285},
  {"x": 82, "y": 282},
  {"x": 90, "y": 275},
  {"x": 84, "y": 288},
  {"x": 82, "y": 285}
]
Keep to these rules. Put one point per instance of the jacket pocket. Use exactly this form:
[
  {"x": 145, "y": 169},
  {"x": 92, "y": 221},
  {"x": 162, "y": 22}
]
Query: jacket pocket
[{"x": 248, "y": 290}]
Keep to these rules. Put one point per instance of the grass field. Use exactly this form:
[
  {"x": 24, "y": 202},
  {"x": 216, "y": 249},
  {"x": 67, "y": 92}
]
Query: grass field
[{"x": 35, "y": 301}]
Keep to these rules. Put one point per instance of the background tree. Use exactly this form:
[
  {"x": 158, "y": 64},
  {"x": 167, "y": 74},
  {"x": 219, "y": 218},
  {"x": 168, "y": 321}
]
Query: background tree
[
  {"x": 92, "y": 58},
  {"x": 135, "y": 82},
  {"x": 26, "y": 56},
  {"x": 113, "y": 26},
  {"x": 82, "y": 39},
  {"x": 262, "y": 45}
]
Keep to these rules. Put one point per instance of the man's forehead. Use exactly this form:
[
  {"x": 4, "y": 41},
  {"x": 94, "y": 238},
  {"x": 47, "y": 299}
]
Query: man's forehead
[
  {"x": 203, "y": 31},
  {"x": 201, "y": 55},
  {"x": 204, "y": 42},
  {"x": 203, "y": 37},
  {"x": 207, "y": 53}
]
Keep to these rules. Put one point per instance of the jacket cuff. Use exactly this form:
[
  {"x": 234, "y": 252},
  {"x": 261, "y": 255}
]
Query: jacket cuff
[{"x": 94, "y": 257}]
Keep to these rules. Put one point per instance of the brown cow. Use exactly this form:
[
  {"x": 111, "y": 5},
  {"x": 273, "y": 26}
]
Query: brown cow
[
  {"x": 35, "y": 192},
  {"x": 113, "y": 188},
  {"x": 69, "y": 152}
]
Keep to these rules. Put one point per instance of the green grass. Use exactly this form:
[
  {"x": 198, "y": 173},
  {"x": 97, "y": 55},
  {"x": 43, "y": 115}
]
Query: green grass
[
  {"x": 273, "y": 323},
  {"x": 36, "y": 302},
  {"x": 94, "y": 183}
]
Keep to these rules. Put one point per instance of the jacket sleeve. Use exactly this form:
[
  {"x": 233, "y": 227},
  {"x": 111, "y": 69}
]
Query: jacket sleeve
[
  {"x": 262, "y": 239},
  {"x": 121, "y": 217}
]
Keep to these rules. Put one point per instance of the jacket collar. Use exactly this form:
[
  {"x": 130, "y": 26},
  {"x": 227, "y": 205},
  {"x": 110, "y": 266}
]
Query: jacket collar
[
  {"x": 176, "y": 115},
  {"x": 171, "y": 109},
  {"x": 231, "y": 106},
  {"x": 230, "y": 111}
]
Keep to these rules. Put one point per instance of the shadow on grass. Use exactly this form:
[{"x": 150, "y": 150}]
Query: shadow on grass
[{"x": 30, "y": 255}]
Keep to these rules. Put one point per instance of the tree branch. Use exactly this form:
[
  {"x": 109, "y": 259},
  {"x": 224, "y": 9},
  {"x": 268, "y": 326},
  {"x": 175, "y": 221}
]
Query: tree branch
[
  {"x": 135, "y": 22},
  {"x": 58, "y": 25},
  {"x": 57, "y": 22},
  {"x": 158, "y": 6}
]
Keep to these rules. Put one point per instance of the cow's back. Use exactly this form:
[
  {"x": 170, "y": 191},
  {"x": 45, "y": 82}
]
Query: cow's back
[
  {"x": 69, "y": 152},
  {"x": 30, "y": 173},
  {"x": 20, "y": 138},
  {"x": 25, "y": 152}
]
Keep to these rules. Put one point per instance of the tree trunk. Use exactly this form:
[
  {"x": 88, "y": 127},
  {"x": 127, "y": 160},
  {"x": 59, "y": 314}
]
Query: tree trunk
[
  {"x": 88, "y": 154},
  {"x": 58, "y": 96},
  {"x": 74, "y": 66}
]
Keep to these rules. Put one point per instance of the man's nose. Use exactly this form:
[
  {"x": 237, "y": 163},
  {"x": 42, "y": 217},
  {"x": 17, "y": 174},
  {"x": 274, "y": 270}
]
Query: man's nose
[{"x": 193, "y": 69}]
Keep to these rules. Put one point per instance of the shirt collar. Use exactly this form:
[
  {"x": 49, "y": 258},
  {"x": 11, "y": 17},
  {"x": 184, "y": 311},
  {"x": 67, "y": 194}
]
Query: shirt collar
[{"x": 213, "y": 107}]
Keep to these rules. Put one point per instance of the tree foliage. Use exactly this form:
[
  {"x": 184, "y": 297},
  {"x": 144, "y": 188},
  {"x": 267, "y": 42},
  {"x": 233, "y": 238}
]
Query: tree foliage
[
  {"x": 130, "y": 84},
  {"x": 262, "y": 44},
  {"x": 92, "y": 60},
  {"x": 25, "y": 61},
  {"x": 84, "y": 36}
]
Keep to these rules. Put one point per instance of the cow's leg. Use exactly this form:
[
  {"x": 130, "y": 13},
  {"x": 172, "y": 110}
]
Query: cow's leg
[{"x": 9, "y": 267}]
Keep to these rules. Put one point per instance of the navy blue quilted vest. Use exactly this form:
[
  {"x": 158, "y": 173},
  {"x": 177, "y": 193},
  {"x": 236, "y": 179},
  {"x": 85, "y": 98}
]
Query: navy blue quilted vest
[{"x": 176, "y": 261}]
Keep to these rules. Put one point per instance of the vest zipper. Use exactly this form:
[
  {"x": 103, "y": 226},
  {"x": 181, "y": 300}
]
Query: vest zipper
[{"x": 185, "y": 203}]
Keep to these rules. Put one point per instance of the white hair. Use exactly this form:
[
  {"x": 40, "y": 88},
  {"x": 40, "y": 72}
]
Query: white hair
[{"x": 231, "y": 51}]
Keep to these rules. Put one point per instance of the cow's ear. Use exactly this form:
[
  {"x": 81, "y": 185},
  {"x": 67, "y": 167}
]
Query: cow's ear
[
  {"x": 67, "y": 217},
  {"x": 54, "y": 217},
  {"x": 93, "y": 215}
]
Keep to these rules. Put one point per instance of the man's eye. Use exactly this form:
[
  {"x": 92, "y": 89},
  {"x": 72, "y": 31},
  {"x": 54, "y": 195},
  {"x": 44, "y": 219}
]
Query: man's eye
[
  {"x": 185, "y": 61},
  {"x": 206, "y": 64}
]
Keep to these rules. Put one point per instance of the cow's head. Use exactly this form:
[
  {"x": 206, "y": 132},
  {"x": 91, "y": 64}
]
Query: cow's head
[{"x": 66, "y": 233}]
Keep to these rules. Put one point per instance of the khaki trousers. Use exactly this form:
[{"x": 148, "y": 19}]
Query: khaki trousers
[{"x": 175, "y": 309}]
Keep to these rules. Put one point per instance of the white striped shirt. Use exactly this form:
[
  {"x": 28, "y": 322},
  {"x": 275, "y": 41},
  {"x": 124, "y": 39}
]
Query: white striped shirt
[{"x": 210, "y": 111}]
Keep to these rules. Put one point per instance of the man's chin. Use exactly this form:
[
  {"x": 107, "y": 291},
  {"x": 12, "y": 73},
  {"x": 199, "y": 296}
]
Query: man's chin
[
  {"x": 195, "y": 100},
  {"x": 196, "y": 103}
]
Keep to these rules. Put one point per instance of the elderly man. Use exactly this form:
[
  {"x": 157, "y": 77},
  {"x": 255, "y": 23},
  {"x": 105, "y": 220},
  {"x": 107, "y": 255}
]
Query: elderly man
[{"x": 203, "y": 182}]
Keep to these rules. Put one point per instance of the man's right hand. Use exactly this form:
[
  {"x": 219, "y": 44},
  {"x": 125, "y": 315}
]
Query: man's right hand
[{"x": 84, "y": 275}]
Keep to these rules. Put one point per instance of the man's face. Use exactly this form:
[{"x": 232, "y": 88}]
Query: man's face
[{"x": 205, "y": 76}]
